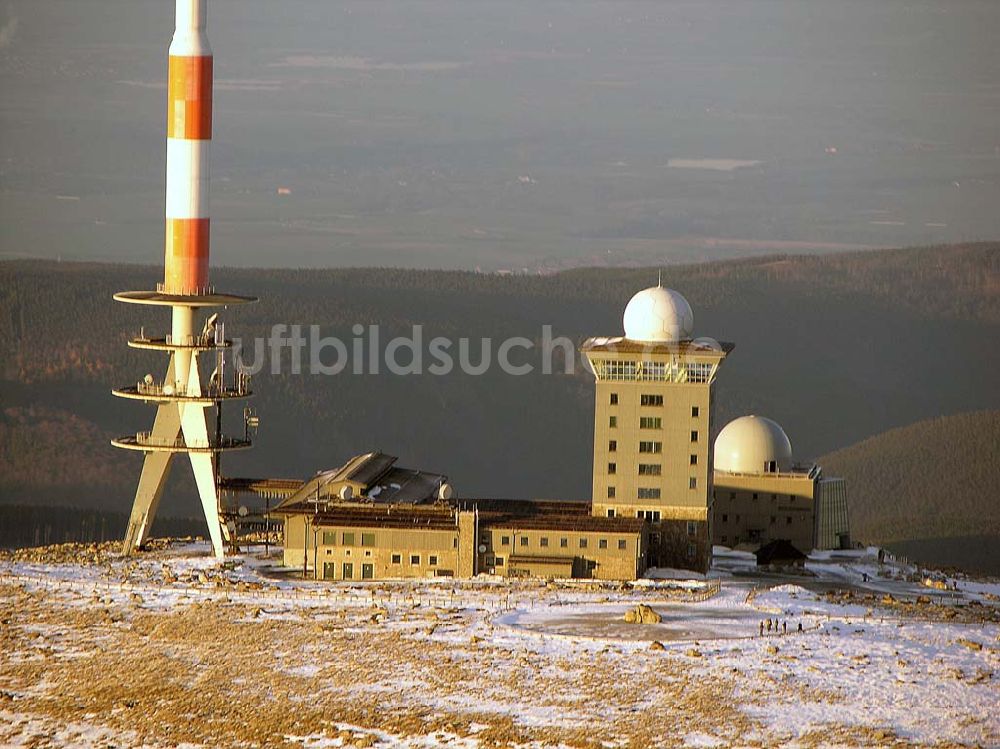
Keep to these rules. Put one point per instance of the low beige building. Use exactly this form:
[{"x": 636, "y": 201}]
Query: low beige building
[
  {"x": 337, "y": 534},
  {"x": 761, "y": 495}
]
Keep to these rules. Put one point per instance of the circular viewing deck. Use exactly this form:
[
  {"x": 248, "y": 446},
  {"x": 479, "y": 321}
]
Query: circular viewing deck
[
  {"x": 145, "y": 442},
  {"x": 207, "y": 297},
  {"x": 188, "y": 343},
  {"x": 157, "y": 393}
]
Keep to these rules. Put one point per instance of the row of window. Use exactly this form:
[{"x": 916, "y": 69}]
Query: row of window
[
  {"x": 652, "y": 371},
  {"x": 649, "y": 399},
  {"x": 602, "y": 543},
  {"x": 651, "y": 492},
  {"x": 756, "y": 495},
  {"x": 649, "y": 422},
  {"x": 774, "y": 519},
  {"x": 432, "y": 560},
  {"x": 347, "y": 539},
  {"x": 648, "y": 469}
]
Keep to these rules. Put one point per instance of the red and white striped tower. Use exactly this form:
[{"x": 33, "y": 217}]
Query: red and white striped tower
[
  {"x": 181, "y": 425},
  {"x": 189, "y": 134}
]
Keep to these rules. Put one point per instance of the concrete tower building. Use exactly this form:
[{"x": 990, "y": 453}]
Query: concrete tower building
[
  {"x": 181, "y": 396},
  {"x": 652, "y": 424}
]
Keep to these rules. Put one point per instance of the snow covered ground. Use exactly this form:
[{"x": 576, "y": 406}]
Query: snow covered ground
[{"x": 171, "y": 649}]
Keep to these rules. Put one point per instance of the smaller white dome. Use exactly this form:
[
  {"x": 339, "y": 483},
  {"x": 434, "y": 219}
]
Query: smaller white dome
[
  {"x": 658, "y": 315},
  {"x": 752, "y": 444}
]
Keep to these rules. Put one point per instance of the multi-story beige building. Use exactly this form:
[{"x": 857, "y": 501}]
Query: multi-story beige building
[
  {"x": 761, "y": 495},
  {"x": 652, "y": 427}
]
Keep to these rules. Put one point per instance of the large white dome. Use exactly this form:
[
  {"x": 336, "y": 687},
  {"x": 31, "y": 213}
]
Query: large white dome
[
  {"x": 658, "y": 315},
  {"x": 752, "y": 444}
]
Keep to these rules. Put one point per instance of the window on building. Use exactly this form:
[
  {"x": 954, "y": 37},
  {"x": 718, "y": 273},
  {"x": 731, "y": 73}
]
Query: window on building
[
  {"x": 397, "y": 558},
  {"x": 414, "y": 559},
  {"x": 653, "y": 515},
  {"x": 692, "y": 527},
  {"x": 612, "y": 468},
  {"x": 647, "y": 399},
  {"x": 770, "y": 466},
  {"x": 774, "y": 497},
  {"x": 367, "y": 539},
  {"x": 602, "y": 543},
  {"x": 732, "y": 495},
  {"x": 611, "y": 492},
  {"x": 693, "y": 482},
  {"x": 725, "y": 518},
  {"x": 650, "y": 447},
  {"x": 432, "y": 560},
  {"x": 725, "y": 539},
  {"x": 348, "y": 539},
  {"x": 614, "y": 399},
  {"x": 622, "y": 544},
  {"x": 499, "y": 561},
  {"x": 348, "y": 570},
  {"x": 612, "y": 421},
  {"x": 788, "y": 520},
  {"x": 611, "y": 513},
  {"x": 650, "y": 422},
  {"x": 695, "y": 411},
  {"x": 774, "y": 519},
  {"x": 649, "y": 469},
  {"x": 524, "y": 540},
  {"x": 755, "y": 495},
  {"x": 612, "y": 446},
  {"x": 583, "y": 543},
  {"x": 544, "y": 541},
  {"x": 694, "y": 435},
  {"x": 692, "y": 551},
  {"x": 505, "y": 540},
  {"x": 564, "y": 542},
  {"x": 490, "y": 560},
  {"x": 654, "y": 539},
  {"x": 368, "y": 552},
  {"x": 649, "y": 492},
  {"x": 694, "y": 459},
  {"x": 329, "y": 538}
]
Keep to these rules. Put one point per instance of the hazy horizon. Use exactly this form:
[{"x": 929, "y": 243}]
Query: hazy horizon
[{"x": 501, "y": 135}]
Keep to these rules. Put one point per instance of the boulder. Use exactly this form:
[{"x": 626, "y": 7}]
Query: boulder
[{"x": 642, "y": 614}]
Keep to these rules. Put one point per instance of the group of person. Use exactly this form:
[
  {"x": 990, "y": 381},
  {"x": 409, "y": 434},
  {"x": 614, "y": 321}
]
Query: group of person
[{"x": 774, "y": 624}]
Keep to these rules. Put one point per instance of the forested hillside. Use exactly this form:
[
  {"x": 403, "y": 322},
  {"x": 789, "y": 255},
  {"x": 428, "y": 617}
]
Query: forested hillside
[
  {"x": 835, "y": 348},
  {"x": 938, "y": 478}
]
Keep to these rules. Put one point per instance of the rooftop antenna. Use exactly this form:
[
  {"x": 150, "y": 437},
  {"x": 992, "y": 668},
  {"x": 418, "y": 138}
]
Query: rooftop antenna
[{"x": 659, "y": 278}]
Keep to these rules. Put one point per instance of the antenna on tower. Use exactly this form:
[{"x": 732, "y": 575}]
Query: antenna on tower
[{"x": 659, "y": 277}]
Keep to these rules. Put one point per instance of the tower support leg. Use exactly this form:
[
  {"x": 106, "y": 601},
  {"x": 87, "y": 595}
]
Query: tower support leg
[{"x": 155, "y": 469}]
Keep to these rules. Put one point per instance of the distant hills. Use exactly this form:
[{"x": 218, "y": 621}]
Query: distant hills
[
  {"x": 938, "y": 478},
  {"x": 836, "y": 348}
]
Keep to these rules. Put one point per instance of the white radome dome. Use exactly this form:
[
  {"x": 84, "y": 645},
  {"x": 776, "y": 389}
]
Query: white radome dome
[
  {"x": 658, "y": 315},
  {"x": 752, "y": 444}
]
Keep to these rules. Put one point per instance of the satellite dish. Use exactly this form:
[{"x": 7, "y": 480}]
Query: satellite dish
[
  {"x": 346, "y": 492},
  {"x": 243, "y": 511},
  {"x": 148, "y": 379},
  {"x": 482, "y": 548},
  {"x": 168, "y": 389},
  {"x": 445, "y": 491}
]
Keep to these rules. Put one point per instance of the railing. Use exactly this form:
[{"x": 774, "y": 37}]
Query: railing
[
  {"x": 240, "y": 388},
  {"x": 146, "y": 439},
  {"x": 162, "y": 288}
]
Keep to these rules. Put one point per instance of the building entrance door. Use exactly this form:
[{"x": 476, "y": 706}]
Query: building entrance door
[
  {"x": 348, "y": 570},
  {"x": 329, "y": 570},
  {"x": 367, "y": 571}
]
